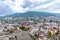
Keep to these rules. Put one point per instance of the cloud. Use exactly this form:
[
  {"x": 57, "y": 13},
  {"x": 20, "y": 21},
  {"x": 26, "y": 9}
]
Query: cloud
[
  {"x": 38, "y": 2},
  {"x": 55, "y": 7},
  {"x": 24, "y": 5},
  {"x": 13, "y": 6},
  {"x": 52, "y": 6}
]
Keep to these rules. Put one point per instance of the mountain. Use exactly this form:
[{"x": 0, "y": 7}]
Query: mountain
[{"x": 32, "y": 14}]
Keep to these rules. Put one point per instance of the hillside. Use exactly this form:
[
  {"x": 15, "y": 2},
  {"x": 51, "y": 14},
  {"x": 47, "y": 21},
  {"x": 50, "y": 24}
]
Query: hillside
[{"x": 32, "y": 14}]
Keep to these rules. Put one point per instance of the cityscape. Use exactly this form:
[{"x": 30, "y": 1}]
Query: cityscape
[
  {"x": 30, "y": 28},
  {"x": 29, "y": 19}
]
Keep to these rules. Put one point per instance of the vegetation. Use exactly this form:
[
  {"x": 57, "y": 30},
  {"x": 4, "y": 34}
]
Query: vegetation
[
  {"x": 23, "y": 28},
  {"x": 53, "y": 36},
  {"x": 49, "y": 34},
  {"x": 33, "y": 37},
  {"x": 57, "y": 36}
]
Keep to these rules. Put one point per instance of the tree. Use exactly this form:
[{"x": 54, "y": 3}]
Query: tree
[{"x": 49, "y": 34}]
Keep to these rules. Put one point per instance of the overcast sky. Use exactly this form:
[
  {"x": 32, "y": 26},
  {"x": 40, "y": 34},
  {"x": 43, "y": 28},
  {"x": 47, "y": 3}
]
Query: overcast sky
[{"x": 8, "y": 7}]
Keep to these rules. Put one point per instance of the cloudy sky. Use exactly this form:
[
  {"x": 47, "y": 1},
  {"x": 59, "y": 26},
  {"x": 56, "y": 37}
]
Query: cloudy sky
[{"x": 8, "y": 7}]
